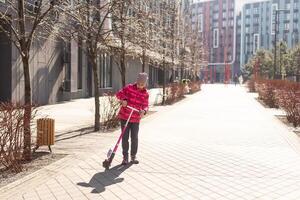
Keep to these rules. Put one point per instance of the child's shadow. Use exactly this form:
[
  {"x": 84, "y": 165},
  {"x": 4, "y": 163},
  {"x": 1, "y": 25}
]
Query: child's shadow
[{"x": 103, "y": 179}]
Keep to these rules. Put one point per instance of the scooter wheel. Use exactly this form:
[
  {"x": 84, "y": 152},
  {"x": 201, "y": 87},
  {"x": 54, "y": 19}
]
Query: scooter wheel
[{"x": 106, "y": 164}]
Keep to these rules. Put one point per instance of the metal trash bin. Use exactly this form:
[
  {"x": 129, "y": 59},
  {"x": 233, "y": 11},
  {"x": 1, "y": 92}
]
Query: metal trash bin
[{"x": 45, "y": 133}]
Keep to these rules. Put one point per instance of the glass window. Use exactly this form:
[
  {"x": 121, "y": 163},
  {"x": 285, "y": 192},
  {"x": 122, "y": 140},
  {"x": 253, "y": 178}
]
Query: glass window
[
  {"x": 247, "y": 20},
  {"x": 215, "y": 24},
  {"x": 287, "y": 26},
  {"x": 224, "y": 14},
  {"x": 224, "y": 23},
  {"x": 216, "y": 38},
  {"x": 247, "y": 30},
  {"x": 79, "y": 72},
  {"x": 216, "y": 15},
  {"x": 105, "y": 62},
  {"x": 247, "y": 11},
  {"x": 200, "y": 22}
]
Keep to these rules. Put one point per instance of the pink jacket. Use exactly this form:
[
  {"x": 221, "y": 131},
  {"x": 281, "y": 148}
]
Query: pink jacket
[{"x": 135, "y": 98}]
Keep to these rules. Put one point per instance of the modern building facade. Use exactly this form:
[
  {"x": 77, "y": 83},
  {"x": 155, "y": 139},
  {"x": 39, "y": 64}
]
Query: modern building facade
[
  {"x": 60, "y": 71},
  {"x": 258, "y": 26},
  {"x": 216, "y": 20}
]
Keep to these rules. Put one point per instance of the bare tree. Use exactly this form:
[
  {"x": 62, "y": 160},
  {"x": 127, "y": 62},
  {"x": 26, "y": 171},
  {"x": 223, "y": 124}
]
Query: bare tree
[
  {"x": 144, "y": 30},
  {"x": 88, "y": 23},
  {"x": 165, "y": 34},
  {"x": 124, "y": 26},
  {"x": 196, "y": 56},
  {"x": 24, "y": 21}
]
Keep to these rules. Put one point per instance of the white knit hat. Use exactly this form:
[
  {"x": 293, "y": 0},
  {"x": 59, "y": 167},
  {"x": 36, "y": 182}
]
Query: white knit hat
[{"x": 142, "y": 77}]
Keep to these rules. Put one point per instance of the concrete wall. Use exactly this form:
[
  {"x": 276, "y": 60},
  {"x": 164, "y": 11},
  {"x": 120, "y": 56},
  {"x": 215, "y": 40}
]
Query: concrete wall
[{"x": 46, "y": 71}]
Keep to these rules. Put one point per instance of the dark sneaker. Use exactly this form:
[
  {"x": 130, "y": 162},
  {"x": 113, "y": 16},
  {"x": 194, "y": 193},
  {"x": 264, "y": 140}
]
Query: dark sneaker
[
  {"x": 125, "y": 161},
  {"x": 134, "y": 160}
]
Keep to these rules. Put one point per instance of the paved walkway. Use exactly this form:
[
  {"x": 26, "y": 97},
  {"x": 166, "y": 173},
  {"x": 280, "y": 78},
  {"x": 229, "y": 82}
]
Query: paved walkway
[{"x": 217, "y": 144}]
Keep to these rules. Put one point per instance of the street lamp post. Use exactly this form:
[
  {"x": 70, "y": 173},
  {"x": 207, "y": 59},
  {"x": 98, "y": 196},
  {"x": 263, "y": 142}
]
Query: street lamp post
[{"x": 275, "y": 38}]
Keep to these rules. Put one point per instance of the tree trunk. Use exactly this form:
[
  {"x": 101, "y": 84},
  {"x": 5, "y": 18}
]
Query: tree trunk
[
  {"x": 27, "y": 111},
  {"x": 123, "y": 69},
  {"x": 164, "y": 85},
  {"x": 96, "y": 91},
  {"x": 144, "y": 61}
]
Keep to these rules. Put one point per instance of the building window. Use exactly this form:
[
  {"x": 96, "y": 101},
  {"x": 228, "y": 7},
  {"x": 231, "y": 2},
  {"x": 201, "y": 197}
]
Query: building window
[
  {"x": 201, "y": 23},
  {"x": 200, "y": 9},
  {"x": 215, "y": 24},
  {"x": 224, "y": 15},
  {"x": 105, "y": 61},
  {"x": 287, "y": 16},
  {"x": 216, "y": 15},
  {"x": 247, "y": 20},
  {"x": 79, "y": 73},
  {"x": 273, "y": 17},
  {"x": 224, "y": 23},
  {"x": 256, "y": 20},
  {"x": 256, "y": 43},
  {"x": 285, "y": 37},
  {"x": 67, "y": 63},
  {"x": 287, "y": 26},
  {"x": 247, "y": 11},
  {"x": 295, "y": 25},
  {"x": 296, "y": 39},
  {"x": 247, "y": 30},
  {"x": 216, "y": 7},
  {"x": 216, "y": 38},
  {"x": 255, "y": 11},
  {"x": 256, "y": 29},
  {"x": 288, "y": 6}
]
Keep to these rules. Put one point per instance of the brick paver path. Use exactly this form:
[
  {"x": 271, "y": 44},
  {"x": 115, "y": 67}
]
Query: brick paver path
[{"x": 217, "y": 144}]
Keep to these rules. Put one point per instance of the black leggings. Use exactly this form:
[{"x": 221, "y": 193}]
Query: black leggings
[{"x": 133, "y": 129}]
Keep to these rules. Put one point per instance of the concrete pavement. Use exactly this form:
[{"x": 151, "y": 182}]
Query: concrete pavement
[{"x": 217, "y": 144}]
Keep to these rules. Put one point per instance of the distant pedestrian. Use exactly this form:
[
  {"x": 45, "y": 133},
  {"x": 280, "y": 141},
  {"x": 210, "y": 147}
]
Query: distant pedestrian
[
  {"x": 136, "y": 96},
  {"x": 236, "y": 79}
]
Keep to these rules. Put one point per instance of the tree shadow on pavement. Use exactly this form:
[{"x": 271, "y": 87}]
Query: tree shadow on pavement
[{"x": 101, "y": 180}]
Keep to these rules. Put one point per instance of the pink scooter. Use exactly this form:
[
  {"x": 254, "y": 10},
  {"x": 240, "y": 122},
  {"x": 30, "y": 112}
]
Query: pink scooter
[{"x": 111, "y": 153}]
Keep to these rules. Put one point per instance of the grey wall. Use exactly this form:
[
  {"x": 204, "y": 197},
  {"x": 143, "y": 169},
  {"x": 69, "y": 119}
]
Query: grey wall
[{"x": 46, "y": 71}]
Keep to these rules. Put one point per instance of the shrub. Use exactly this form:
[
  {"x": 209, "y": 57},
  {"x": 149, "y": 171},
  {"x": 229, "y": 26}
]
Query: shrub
[
  {"x": 175, "y": 92},
  {"x": 11, "y": 135},
  {"x": 288, "y": 99},
  {"x": 195, "y": 86},
  {"x": 251, "y": 85},
  {"x": 110, "y": 109},
  {"x": 267, "y": 91}
]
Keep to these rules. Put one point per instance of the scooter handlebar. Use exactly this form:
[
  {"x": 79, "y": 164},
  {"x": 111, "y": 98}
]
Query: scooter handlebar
[{"x": 134, "y": 109}]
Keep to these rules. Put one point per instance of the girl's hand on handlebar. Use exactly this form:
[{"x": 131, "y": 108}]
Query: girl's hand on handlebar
[
  {"x": 124, "y": 103},
  {"x": 142, "y": 113}
]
